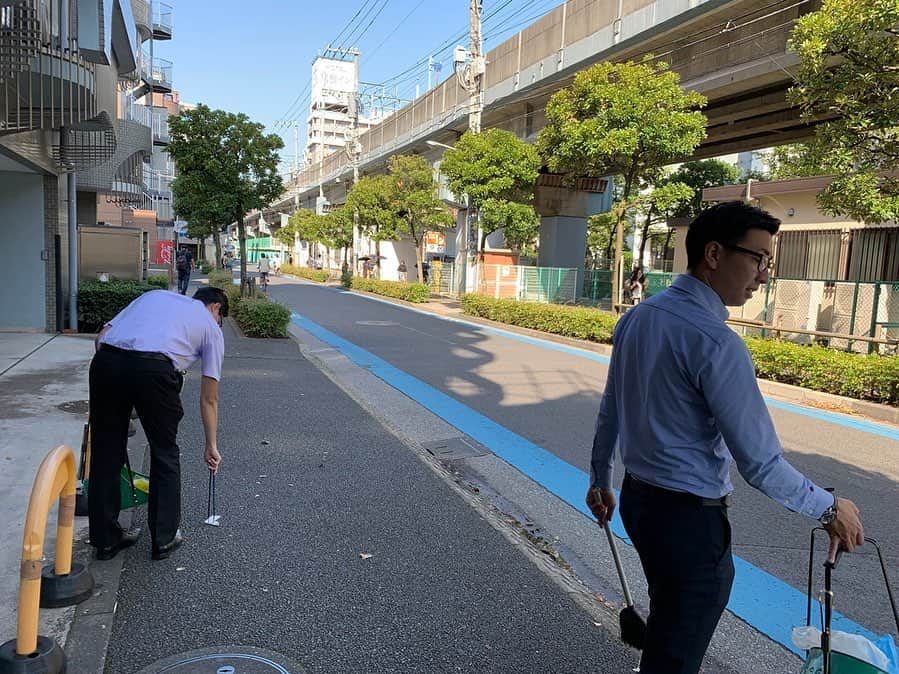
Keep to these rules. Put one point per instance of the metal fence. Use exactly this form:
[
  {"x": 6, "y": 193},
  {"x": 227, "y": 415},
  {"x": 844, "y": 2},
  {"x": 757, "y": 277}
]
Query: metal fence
[{"x": 860, "y": 309}]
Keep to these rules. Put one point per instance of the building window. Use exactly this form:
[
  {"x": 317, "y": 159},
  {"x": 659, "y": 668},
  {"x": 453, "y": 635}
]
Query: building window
[{"x": 874, "y": 254}]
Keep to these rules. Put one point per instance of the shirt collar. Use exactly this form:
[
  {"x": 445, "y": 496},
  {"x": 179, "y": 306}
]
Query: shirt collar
[{"x": 701, "y": 292}]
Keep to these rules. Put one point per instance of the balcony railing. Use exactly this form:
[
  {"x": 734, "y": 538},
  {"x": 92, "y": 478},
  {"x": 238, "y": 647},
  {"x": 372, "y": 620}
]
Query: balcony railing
[
  {"x": 159, "y": 75},
  {"x": 162, "y": 21},
  {"x": 158, "y": 183},
  {"x": 44, "y": 82}
]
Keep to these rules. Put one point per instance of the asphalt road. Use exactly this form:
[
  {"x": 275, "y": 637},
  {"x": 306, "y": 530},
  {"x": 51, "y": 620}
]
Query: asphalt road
[
  {"x": 309, "y": 483},
  {"x": 550, "y": 397}
]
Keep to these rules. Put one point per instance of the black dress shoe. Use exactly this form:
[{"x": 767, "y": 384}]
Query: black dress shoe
[
  {"x": 127, "y": 539},
  {"x": 163, "y": 551}
]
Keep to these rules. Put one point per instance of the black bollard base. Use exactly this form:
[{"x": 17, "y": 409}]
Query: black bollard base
[
  {"x": 67, "y": 590},
  {"x": 81, "y": 502},
  {"x": 47, "y": 659}
]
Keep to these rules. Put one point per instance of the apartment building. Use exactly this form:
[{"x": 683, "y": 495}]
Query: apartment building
[{"x": 84, "y": 103}]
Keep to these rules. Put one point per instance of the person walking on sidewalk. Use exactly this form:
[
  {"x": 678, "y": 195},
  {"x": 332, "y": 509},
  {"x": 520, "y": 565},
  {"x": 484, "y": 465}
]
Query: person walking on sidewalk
[
  {"x": 139, "y": 362},
  {"x": 184, "y": 263},
  {"x": 682, "y": 403}
]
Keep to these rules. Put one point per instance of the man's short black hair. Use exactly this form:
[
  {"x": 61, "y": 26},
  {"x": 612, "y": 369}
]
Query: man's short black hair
[
  {"x": 726, "y": 223},
  {"x": 210, "y": 295}
]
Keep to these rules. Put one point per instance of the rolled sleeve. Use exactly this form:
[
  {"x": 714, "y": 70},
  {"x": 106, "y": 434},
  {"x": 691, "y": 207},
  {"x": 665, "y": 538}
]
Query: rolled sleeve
[
  {"x": 212, "y": 353},
  {"x": 605, "y": 438},
  {"x": 732, "y": 393}
]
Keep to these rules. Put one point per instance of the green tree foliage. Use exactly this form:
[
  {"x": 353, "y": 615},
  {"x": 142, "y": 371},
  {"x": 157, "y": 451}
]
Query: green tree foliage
[
  {"x": 415, "y": 200},
  {"x": 628, "y": 119},
  {"x": 498, "y": 172},
  {"x": 849, "y": 53},
  {"x": 227, "y": 167},
  {"x": 372, "y": 200},
  {"x": 698, "y": 175},
  {"x": 656, "y": 205}
]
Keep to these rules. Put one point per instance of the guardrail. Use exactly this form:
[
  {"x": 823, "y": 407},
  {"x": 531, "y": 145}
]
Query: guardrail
[{"x": 62, "y": 584}]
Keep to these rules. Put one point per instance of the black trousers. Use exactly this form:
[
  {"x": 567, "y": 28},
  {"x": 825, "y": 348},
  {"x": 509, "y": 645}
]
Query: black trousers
[
  {"x": 685, "y": 550},
  {"x": 118, "y": 383}
]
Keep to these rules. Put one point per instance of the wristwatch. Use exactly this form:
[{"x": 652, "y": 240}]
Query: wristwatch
[{"x": 830, "y": 514}]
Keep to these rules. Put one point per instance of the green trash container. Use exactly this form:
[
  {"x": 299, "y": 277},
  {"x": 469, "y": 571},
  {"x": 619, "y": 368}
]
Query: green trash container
[{"x": 134, "y": 491}]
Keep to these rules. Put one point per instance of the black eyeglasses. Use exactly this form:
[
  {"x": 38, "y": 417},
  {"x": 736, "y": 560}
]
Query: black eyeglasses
[{"x": 766, "y": 262}]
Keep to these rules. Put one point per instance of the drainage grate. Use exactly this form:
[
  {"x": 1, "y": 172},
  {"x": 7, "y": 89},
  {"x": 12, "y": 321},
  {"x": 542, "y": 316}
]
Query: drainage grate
[
  {"x": 224, "y": 660},
  {"x": 75, "y": 406},
  {"x": 456, "y": 448}
]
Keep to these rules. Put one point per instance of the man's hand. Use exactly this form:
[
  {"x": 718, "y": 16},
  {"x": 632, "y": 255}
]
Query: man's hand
[
  {"x": 602, "y": 504},
  {"x": 212, "y": 458},
  {"x": 846, "y": 530}
]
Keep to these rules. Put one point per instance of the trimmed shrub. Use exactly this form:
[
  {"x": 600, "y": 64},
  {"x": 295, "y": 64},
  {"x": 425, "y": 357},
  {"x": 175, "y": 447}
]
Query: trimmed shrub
[
  {"x": 259, "y": 317},
  {"x": 158, "y": 281},
  {"x": 577, "y": 322},
  {"x": 204, "y": 267},
  {"x": 346, "y": 278},
  {"x": 305, "y": 272},
  {"x": 220, "y": 279},
  {"x": 865, "y": 377},
  {"x": 99, "y": 302},
  {"x": 411, "y": 292}
]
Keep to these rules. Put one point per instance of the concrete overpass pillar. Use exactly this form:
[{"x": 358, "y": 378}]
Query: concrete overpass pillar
[{"x": 563, "y": 219}]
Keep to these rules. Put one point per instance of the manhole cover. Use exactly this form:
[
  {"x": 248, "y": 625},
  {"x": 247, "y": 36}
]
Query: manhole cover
[
  {"x": 225, "y": 660},
  {"x": 455, "y": 448},
  {"x": 379, "y": 324},
  {"x": 75, "y": 406}
]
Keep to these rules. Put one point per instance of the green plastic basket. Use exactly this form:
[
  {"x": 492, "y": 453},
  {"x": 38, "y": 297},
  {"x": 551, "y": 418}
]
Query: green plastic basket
[
  {"x": 131, "y": 497},
  {"x": 840, "y": 663}
]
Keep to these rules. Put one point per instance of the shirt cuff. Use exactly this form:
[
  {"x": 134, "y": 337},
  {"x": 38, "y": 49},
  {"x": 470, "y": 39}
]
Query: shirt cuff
[{"x": 821, "y": 501}]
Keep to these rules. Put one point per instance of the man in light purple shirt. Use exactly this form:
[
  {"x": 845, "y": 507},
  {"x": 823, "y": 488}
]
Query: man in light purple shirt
[
  {"x": 140, "y": 359},
  {"x": 682, "y": 404}
]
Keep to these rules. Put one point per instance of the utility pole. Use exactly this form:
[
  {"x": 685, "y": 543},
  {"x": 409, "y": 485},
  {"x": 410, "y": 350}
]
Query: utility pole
[
  {"x": 476, "y": 68},
  {"x": 296, "y": 148},
  {"x": 355, "y": 151}
]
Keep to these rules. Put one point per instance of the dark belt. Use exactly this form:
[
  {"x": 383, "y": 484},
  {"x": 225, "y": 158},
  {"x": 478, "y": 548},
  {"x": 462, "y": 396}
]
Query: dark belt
[
  {"x": 147, "y": 355},
  {"x": 641, "y": 487}
]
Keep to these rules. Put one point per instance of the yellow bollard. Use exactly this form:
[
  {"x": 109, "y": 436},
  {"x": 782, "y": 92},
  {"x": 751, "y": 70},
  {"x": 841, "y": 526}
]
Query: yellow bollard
[{"x": 55, "y": 479}]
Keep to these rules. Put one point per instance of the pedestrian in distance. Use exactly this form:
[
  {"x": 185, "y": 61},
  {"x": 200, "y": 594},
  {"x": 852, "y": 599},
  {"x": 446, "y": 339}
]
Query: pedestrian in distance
[
  {"x": 140, "y": 360},
  {"x": 682, "y": 403},
  {"x": 401, "y": 271},
  {"x": 263, "y": 267},
  {"x": 184, "y": 263},
  {"x": 637, "y": 285}
]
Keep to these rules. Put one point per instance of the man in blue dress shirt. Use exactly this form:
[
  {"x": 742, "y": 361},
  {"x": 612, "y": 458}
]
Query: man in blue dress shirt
[
  {"x": 682, "y": 403},
  {"x": 141, "y": 355}
]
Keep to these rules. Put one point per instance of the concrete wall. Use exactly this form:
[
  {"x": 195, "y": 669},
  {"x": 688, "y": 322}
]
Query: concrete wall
[{"x": 22, "y": 301}]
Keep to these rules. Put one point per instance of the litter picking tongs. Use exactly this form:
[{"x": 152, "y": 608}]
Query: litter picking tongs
[
  {"x": 828, "y": 596},
  {"x": 212, "y": 519}
]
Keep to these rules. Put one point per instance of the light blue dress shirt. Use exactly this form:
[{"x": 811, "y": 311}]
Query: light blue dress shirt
[
  {"x": 176, "y": 325},
  {"x": 682, "y": 401}
]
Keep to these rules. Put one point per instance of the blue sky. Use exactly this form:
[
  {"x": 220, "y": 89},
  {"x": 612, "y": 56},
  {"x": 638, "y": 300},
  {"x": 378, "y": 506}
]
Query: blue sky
[{"x": 256, "y": 57}]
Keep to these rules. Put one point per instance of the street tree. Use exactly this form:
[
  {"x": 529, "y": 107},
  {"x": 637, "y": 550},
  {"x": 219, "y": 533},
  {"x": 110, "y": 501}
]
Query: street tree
[
  {"x": 628, "y": 119},
  {"x": 337, "y": 230},
  {"x": 699, "y": 175},
  {"x": 228, "y": 160},
  {"x": 415, "y": 201},
  {"x": 371, "y": 198},
  {"x": 497, "y": 171},
  {"x": 655, "y": 205},
  {"x": 849, "y": 65}
]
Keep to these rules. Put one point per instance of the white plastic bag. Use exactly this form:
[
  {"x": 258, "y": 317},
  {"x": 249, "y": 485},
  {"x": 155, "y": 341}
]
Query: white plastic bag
[{"x": 855, "y": 645}]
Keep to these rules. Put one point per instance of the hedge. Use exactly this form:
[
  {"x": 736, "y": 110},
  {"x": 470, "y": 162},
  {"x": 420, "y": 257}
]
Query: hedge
[
  {"x": 577, "y": 322},
  {"x": 864, "y": 377},
  {"x": 305, "y": 272},
  {"x": 99, "y": 301},
  {"x": 158, "y": 281},
  {"x": 411, "y": 292},
  {"x": 259, "y": 317}
]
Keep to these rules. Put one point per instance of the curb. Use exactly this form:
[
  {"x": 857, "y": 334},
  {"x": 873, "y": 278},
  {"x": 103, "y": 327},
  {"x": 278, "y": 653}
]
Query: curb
[{"x": 796, "y": 394}]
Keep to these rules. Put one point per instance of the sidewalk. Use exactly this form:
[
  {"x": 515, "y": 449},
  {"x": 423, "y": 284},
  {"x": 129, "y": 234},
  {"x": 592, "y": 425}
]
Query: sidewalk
[{"x": 43, "y": 404}]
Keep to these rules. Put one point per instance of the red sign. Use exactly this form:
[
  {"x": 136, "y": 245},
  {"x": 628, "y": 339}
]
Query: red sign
[{"x": 164, "y": 252}]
